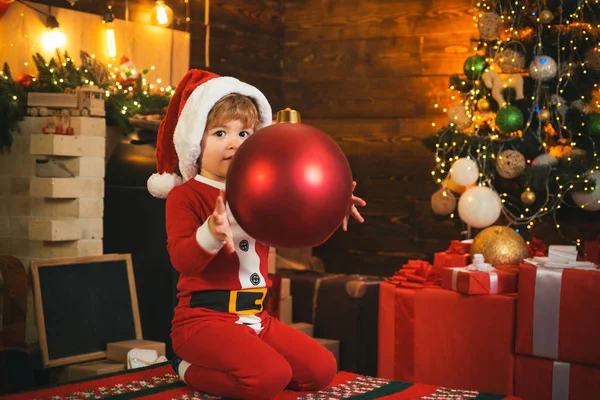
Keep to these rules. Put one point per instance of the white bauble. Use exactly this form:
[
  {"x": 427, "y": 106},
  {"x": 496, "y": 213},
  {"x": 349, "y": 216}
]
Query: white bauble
[
  {"x": 479, "y": 207},
  {"x": 544, "y": 160},
  {"x": 458, "y": 115},
  {"x": 589, "y": 200},
  {"x": 464, "y": 171},
  {"x": 543, "y": 68}
]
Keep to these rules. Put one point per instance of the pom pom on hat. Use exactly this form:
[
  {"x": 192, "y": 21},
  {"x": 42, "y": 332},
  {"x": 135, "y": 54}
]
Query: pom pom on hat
[
  {"x": 181, "y": 131},
  {"x": 159, "y": 185}
]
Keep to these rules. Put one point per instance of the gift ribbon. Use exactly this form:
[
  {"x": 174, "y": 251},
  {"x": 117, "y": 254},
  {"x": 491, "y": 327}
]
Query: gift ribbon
[
  {"x": 560, "y": 380},
  {"x": 546, "y": 309},
  {"x": 456, "y": 247},
  {"x": 493, "y": 278}
]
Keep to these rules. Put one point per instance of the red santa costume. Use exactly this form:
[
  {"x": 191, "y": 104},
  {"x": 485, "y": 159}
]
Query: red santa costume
[{"x": 228, "y": 345}]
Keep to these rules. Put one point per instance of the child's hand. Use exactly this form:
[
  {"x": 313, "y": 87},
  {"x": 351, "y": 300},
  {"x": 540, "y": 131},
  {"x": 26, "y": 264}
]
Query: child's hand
[
  {"x": 356, "y": 201},
  {"x": 219, "y": 223}
]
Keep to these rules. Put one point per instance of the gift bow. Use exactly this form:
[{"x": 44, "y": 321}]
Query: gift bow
[
  {"x": 483, "y": 267},
  {"x": 537, "y": 248},
  {"x": 415, "y": 274},
  {"x": 456, "y": 247}
]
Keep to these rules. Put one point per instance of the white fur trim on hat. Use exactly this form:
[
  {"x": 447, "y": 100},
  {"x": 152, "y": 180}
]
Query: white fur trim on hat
[
  {"x": 192, "y": 120},
  {"x": 159, "y": 185}
]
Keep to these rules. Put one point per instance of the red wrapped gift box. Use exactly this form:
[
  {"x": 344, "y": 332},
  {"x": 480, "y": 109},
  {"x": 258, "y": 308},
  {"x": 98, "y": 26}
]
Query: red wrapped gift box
[
  {"x": 396, "y": 333},
  {"x": 542, "y": 379},
  {"x": 456, "y": 256},
  {"x": 558, "y": 314},
  {"x": 467, "y": 281},
  {"x": 441, "y": 337},
  {"x": 592, "y": 251}
]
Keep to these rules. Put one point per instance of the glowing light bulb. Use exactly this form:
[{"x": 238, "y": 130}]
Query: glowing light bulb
[
  {"x": 110, "y": 41},
  {"x": 54, "y": 39},
  {"x": 162, "y": 14},
  {"x": 111, "y": 44}
]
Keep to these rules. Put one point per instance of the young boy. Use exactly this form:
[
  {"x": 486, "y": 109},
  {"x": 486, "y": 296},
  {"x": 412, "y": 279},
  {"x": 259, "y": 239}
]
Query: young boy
[{"x": 226, "y": 345}]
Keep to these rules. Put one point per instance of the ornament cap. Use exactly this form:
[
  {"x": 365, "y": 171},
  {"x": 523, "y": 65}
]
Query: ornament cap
[{"x": 288, "y": 115}]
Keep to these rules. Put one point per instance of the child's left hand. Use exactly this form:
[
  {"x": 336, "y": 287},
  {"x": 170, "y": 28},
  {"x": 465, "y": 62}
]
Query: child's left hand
[{"x": 356, "y": 201}]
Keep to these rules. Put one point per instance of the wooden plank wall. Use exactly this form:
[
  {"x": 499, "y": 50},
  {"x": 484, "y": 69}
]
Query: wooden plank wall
[
  {"x": 246, "y": 36},
  {"x": 368, "y": 73},
  {"x": 246, "y": 41}
]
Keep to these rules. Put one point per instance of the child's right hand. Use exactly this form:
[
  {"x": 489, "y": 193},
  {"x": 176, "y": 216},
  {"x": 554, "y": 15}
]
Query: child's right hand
[{"x": 218, "y": 223}]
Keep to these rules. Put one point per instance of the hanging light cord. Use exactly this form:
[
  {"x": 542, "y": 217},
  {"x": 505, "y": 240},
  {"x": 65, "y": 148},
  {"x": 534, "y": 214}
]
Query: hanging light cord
[{"x": 35, "y": 9}]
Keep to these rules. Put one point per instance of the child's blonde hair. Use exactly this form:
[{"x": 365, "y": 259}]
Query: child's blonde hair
[{"x": 233, "y": 106}]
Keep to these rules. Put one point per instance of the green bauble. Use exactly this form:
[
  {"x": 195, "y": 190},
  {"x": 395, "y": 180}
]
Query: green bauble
[
  {"x": 475, "y": 66},
  {"x": 509, "y": 119},
  {"x": 592, "y": 124}
]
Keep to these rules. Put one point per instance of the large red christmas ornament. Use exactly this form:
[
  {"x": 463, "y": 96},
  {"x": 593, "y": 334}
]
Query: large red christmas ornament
[{"x": 289, "y": 185}]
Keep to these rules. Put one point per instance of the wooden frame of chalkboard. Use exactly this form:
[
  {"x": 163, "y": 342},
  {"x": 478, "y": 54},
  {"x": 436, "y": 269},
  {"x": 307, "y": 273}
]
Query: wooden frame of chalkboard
[{"x": 82, "y": 304}]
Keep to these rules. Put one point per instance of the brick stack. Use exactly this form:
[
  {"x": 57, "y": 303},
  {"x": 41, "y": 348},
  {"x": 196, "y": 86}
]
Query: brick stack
[{"x": 47, "y": 217}]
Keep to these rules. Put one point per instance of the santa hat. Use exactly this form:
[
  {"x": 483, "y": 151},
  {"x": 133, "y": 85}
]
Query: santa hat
[{"x": 181, "y": 130}]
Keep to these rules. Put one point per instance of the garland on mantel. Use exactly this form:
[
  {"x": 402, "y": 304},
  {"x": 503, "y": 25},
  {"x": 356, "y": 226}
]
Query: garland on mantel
[{"x": 126, "y": 95}]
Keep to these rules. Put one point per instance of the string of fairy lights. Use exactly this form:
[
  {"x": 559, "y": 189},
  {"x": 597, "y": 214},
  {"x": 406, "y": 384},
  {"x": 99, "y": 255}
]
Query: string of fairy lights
[
  {"x": 162, "y": 16},
  {"x": 447, "y": 152}
]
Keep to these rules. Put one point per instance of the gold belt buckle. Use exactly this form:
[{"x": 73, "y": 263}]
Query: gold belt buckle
[{"x": 258, "y": 302}]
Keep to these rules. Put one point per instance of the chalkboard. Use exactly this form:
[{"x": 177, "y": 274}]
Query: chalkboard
[{"x": 82, "y": 304}]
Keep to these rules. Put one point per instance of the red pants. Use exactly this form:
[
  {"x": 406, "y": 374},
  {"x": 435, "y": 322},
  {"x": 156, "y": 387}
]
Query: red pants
[{"x": 232, "y": 360}]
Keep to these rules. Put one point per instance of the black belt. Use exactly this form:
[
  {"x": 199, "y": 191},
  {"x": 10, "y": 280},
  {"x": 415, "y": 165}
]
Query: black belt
[{"x": 242, "y": 302}]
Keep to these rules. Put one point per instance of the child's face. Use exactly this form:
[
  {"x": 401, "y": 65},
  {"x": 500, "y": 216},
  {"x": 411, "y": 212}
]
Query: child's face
[{"x": 218, "y": 146}]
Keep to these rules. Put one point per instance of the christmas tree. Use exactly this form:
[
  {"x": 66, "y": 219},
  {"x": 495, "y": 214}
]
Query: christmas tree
[{"x": 521, "y": 142}]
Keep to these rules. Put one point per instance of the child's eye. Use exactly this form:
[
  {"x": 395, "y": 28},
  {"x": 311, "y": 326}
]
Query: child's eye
[
  {"x": 244, "y": 134},
  {"x": 219, "y": 133}
]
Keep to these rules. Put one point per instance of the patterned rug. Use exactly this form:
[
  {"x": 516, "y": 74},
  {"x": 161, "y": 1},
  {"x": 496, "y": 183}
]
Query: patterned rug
[{"x": 159, "y": 382}]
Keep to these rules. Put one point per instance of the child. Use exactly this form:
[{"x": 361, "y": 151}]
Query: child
[{"x": 226, "y": 345}]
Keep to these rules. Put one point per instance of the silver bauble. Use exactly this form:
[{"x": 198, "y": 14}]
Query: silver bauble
[
  {"x": 543, "y": 68},
  {"x": 589, "y": 201},
  {"x": 544, "y": 160}
]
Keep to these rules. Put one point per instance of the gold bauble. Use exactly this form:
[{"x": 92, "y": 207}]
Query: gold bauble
[
  {"x": 455, "y": 187},
  {"x": 483, "y": 104},
  {"x": 544, "y": 115},
  {"x": 443, "y": 202},
  {"x": 546, "y": 16},
  {"x": 528, "y": 197},
  {"x": 500, "y": 245}
]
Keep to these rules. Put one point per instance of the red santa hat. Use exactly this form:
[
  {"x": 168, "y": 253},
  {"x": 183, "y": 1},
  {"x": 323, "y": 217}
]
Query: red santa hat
[{"x": 181, "y": 131}]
